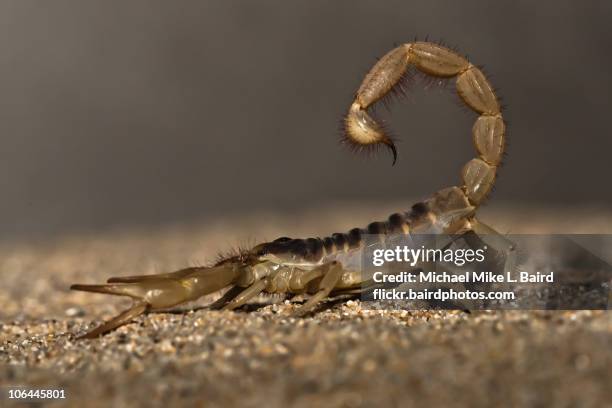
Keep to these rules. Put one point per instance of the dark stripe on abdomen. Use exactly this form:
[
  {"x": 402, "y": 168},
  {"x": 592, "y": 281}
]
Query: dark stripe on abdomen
[
  {"x": 377, "y": 228},
  {"x": 354, "y": 238},
  {"x": 340, "y": 240}
]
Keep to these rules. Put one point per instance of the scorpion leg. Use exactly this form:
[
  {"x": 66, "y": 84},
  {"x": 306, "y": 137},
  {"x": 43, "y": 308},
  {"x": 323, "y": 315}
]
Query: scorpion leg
[
  {"x": 498, "y": 242},
  {"x": 487, "y": 233},
  {"x": 227, "y": 297},
  {"x": 332, "y": 274},
  {"x": 300, "y": 281},
  {"x": 247, "y": 294}
]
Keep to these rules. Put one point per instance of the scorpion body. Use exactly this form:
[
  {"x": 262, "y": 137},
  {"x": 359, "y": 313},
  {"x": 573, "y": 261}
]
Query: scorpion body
[{"x": 323, "y": 267}]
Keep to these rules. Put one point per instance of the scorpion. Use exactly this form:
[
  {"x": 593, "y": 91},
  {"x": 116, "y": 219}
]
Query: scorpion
[{"x": 324, "y": 267}]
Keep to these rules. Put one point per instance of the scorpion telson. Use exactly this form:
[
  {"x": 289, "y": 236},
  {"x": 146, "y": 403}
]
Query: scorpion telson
[{"x": 323, "y": 267}]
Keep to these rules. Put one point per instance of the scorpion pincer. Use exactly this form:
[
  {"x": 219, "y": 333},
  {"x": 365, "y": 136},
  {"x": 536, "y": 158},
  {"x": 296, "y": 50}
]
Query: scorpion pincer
[{"x": 324, "y": 267}]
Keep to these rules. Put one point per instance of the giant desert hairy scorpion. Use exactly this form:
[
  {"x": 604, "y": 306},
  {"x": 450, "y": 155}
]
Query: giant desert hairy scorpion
[{"x": 322, "y": 267}]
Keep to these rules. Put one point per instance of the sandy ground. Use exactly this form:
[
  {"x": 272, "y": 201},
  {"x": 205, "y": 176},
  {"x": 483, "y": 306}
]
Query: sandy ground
[{"x": 346, "y": 355}]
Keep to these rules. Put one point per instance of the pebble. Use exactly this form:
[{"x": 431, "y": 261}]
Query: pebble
[{"x": 74, "y": 312}]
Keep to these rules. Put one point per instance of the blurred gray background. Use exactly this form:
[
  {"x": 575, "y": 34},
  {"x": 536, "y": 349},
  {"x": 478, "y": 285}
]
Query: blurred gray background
[{"x": 139, "y": 113}]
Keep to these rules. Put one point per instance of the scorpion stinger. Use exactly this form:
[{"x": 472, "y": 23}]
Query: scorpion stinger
[{"x": 329, "y": 266}]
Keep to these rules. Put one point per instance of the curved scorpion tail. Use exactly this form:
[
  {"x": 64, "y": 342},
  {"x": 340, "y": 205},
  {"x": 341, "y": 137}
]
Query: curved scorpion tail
[{"x": 361, "y": 130}]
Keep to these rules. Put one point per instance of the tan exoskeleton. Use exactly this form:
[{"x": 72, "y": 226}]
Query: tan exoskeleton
[{"x": 323, "y": 267}]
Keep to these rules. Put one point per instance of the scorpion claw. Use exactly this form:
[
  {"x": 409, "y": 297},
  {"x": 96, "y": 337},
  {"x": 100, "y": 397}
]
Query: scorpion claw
[
  {"x": 141, "y": 278},
  {"x": 159, "y": 292},
  {"x": 119, "y": 289},
  {"x": 123, "y": 318}
]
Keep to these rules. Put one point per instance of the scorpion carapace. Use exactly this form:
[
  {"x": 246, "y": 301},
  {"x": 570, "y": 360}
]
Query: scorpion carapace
[{"x": 322, "y": 267}]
